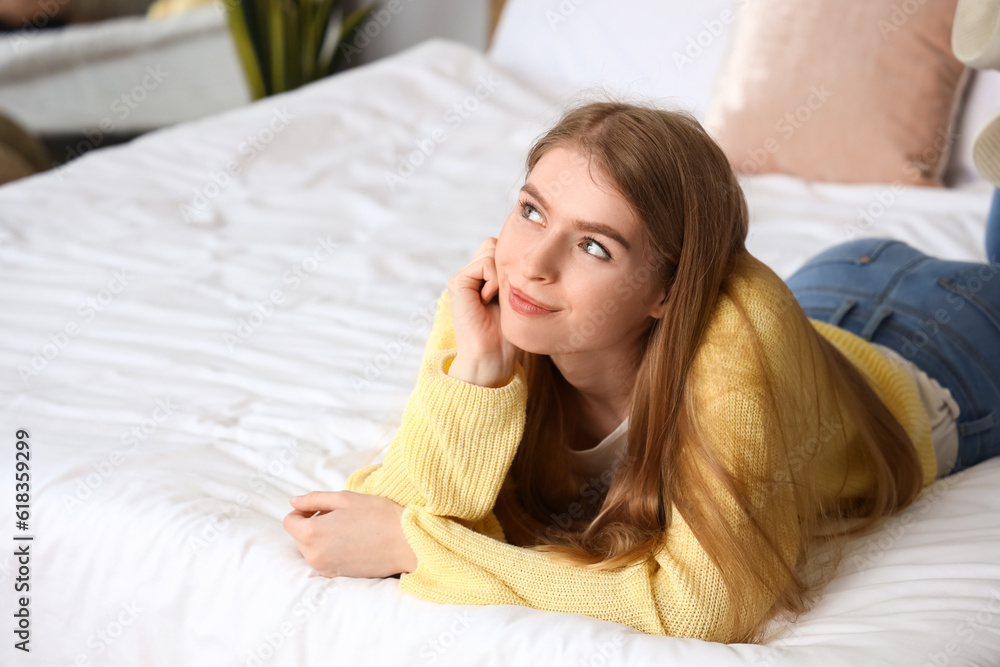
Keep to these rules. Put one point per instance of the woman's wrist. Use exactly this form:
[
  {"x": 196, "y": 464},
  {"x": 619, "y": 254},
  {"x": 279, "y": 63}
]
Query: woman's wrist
[
  {"x": 407, "y": 559},
  {"x": 480, "y": 371}
]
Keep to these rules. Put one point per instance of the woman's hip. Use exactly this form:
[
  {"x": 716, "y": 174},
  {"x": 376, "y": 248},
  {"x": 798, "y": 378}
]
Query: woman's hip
[{"x": 942, "y": 315}]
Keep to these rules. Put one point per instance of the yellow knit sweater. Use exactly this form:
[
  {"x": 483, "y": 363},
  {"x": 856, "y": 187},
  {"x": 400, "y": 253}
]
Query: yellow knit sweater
[{"x": 456, "y": 442}]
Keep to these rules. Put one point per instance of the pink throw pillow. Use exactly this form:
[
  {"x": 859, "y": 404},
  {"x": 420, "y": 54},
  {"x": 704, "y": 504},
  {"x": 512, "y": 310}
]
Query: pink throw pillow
[{"x": 840, "y": 90}]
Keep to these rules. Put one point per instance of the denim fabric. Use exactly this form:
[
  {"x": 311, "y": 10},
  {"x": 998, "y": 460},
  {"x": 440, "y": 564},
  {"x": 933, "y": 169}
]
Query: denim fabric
[
  {"x": 993, "y": 229},
  {"x": 944, "y": 316}
]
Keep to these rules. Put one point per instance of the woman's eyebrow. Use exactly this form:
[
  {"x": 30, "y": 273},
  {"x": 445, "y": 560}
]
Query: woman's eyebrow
[{"x": 582, "y": 225}]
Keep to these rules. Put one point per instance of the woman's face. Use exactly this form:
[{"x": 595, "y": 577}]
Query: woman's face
[{"x": 575, "y": 247}]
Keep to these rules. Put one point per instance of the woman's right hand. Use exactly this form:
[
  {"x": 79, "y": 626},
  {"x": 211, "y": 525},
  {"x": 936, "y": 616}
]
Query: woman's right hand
[{"x": 484, "y": 356}]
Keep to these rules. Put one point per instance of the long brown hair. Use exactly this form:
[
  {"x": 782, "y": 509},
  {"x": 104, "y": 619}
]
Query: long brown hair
[{"x": 685, "y": 192}]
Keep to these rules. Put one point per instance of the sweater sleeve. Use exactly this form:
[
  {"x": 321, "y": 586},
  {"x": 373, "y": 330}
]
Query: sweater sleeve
[
  {"x": 461, "y": 552},
  {"x": 678, "y": 590},
  {"x": 455, "y": 442}
]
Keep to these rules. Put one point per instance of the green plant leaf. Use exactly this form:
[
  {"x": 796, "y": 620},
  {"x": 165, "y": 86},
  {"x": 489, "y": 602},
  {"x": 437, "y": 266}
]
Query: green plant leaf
[
  {"x": 284, "y": 44},
  {"x": 257, "y": 21},
  {"x": 276, "y": 25},
  {"x": 293, "y": 47},
  {"x": 236, "y": 18},
  {"x": 324, "y": 11},
  {"x": 352, "y": 21},
  {"x": 307, "y": 35}
]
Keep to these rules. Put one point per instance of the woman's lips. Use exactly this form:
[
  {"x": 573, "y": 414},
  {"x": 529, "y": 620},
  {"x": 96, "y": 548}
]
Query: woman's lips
[{"x": 523, "y": 306}]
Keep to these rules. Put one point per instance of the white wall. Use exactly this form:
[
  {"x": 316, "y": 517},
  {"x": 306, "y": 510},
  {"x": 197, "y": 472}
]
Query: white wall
[{"x": 416, "y": 20}]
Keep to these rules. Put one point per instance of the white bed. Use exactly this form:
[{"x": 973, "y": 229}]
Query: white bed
[{"x": 166, "y": 440}]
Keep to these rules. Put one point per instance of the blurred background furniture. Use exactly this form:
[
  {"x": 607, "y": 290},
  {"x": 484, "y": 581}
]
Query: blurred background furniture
[
  {"x": 21, "y": 153},
  {"x": 116, "y": 70}
]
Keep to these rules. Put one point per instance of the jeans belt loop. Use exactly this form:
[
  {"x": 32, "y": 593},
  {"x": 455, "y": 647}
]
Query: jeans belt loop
[
  {"x": 977, "y": 425},
  {"x": 876, "y": 319},
  {"x": 842, "y": 311}
]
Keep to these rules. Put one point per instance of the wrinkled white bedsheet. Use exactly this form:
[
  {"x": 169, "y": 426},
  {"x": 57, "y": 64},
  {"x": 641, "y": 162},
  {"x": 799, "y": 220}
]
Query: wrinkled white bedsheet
[{"x": 249, "y": 298}]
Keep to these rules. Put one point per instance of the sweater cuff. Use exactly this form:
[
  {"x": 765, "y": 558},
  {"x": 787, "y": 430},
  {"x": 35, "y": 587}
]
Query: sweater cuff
[
  {"x": 433, "y": 378},
  {"x": 358, "y": 477},
  {"x": 447, "y": 562}
]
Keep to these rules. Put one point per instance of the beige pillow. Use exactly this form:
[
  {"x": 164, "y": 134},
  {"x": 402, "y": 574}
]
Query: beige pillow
[{"x": 840, "y": 90}]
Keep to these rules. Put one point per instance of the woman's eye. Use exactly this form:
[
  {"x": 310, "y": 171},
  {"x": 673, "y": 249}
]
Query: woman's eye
[
  {"x": 527, "y": 210},
  {"x": 594, "y": 244},
  {"x": 525, "y": 207}
]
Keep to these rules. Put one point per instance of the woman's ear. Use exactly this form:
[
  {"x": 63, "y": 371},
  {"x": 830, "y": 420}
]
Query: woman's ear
[{"x": 660, "y": 306}]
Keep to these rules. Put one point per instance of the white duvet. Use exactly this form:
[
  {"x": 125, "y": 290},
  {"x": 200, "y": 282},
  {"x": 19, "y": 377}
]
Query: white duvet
[{"x": 202, "y": 323}]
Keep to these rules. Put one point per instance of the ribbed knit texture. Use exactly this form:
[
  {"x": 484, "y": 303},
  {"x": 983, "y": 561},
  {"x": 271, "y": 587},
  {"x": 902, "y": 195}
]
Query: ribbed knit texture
[
  {"x": 986, "y": 150},
  {"x": 762, "y": 399},
  {"x": 974, "y": 33}
]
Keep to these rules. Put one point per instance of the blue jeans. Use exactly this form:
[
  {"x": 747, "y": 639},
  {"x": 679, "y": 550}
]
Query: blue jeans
[
  {"x": 993, "y": 229},
  {"x": 944, "y": 316}
]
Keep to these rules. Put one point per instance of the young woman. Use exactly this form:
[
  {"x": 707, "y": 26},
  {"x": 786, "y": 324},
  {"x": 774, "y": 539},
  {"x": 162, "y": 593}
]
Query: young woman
[{"x": 622, "y": 413}]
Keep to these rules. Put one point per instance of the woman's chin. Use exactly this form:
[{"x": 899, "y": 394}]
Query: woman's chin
[{"x": 524, "y": 340}]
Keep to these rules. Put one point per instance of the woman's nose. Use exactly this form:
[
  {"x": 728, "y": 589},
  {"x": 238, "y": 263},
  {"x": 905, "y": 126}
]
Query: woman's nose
[{"x": 540, "y": 259}]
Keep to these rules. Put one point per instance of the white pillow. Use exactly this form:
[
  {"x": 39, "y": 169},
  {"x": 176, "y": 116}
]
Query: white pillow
[{"x": 667, "y": 51}]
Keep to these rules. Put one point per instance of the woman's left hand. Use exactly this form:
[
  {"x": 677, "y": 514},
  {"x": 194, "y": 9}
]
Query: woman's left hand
[{"x": 355, "y": 534}]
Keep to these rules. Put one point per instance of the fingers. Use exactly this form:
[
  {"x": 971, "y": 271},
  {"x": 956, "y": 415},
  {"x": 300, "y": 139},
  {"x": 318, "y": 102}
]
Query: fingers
[
  {"x": 492, "y": 286},
  {"x": 481, "y": 268},
  {"x": 486, "y": 249},
  {"x": 293, "y": 523},
  {"x": 297, "y": 520},
  {"x": 485, "y": 255},
  {"x": 487, "y": 246},
  {"x": 319, "y": 500}
]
